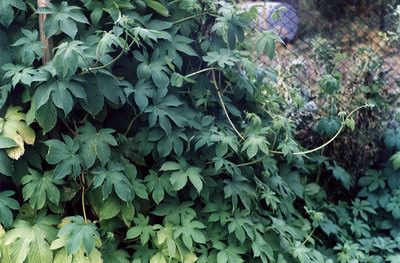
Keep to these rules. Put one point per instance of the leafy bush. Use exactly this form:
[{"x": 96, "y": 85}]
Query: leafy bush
[
  {"x": 143, "y": 139},
  {"x": 151, "y": 136}
]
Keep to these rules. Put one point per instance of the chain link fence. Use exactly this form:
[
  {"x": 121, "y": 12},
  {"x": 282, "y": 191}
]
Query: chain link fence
[{"x": 357, "y": 46}]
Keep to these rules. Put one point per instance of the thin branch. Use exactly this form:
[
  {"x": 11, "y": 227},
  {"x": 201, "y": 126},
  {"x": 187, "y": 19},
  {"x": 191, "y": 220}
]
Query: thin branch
[
  {"x": 83, "y": 197},
  {"x": 224, "y": 108},
  {"x": 190, "y": 17},
  {"x": 130, "y": 124},
  {"x": 198, "y": 72}
]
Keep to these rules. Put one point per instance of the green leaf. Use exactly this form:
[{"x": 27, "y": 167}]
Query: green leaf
[
  {"x": 95, "y": 144},
  {"x": 180, "y": 177},
  {"x": 111, "y": 254},
  {"x": 230, "y": 255},
  {"x": 68, "y": 58},
  {"x": 223, "y": 58},
  {"x": 6, "y": 165},
  {"x": 157, "y": 185},
  {"x": 46, "y": 116},
  {"x": 40, "y": 188},
  {"x": 342, "y": 175},
  {"x": 265, "y": 43},
  {"x": 6, "y": 204},
  {"x": 110, "y": 208},
  {"x": 158, "y": 7},
  {"x": 65, "y": 156},
  {"x": 19, "y": 74},
  {"x": 141, "y": 229},
  {"x": 77, "y": 233},
  {"x": 106, "y": 43},
  {"x": 328, "y": 126},
  {"x": 6, "y": 143},
  {"x": 29, "y": 48},
  {"x": 29, "y": 241},
  {"x": 329, "y": 84},
  {"x": 253, "y": 144},
  {"x": 395, "y": 159},
  {"x": 60, "y": 92},
  {"x": 392, "y": 138},
  {"x": 189, "y": 232},
  {"x": 113, "y": 177},
  {"x": 7, "y": 11},
  {"x": 62, "y": 18}
]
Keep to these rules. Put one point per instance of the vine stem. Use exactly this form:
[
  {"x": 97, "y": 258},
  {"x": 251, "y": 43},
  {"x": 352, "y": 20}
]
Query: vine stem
[
  {"x": 130, "y": 124},
  {"x": 224, "y": 108},
  {"x": 308, "y": 237},
  {"x": 190, "y": 17},
  {"x": 198, "y": 72},
  {"x": 83, "y": 197},
  {"x": 112, "y": 61},
  {"x": 312, "y": 150}
]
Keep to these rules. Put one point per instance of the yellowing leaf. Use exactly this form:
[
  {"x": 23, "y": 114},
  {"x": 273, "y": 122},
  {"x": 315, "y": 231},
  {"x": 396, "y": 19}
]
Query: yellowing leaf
[
  {"x": 13, "y": 126},
  {"x": 158, "y": 258}
]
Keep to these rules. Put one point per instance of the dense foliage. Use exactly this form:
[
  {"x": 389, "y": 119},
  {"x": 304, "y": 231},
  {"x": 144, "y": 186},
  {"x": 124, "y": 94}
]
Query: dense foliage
[{"x": 151, "y": 136}]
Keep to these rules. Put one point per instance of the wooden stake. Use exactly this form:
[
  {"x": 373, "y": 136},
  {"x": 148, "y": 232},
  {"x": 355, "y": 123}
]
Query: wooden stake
[{"x": 47, "y": 42}]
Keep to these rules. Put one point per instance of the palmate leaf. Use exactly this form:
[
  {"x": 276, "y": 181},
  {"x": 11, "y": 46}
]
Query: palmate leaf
[
  {"x": 98, "y": 87},
  {"x": 265, "y": 43},
  {"x": 20, "y": 74},
  {"x": 141, "y": 92},
  {"x": 40, "y": 188},
  {"x": 95, "y": 144},
  {"x": 392, "y": 138},
  {"x": 175, "y": 212},
  {"x": 7, "y": 11},
  {"x": 6, "y": 204},
  {"x": 172, "y": 46},
  {"x": 342, "y": 175},
  {"x": 29, "y": 243},
  {"x": 155, "y": 69},
  {"x": 14, "y": 127},
  {"x": 106, "y": 44},
  {"x": 395, "y": 159},
  {"x": 237, "y": 189},
  {"x": 30, "y": 48},
  {"x": 224, "y": 58},
  {"x": 65, "y": 157},
  {"x": 157, "y": 185},
  {"x": 75, "y": 234},
  {"x": 59, "y": 93},
  {"x": 180, "y": 175},
  {"x": 328, "y": 126},
  {"x": 141, "y": 229},
  {"x": 62, "y": 18},
  {"x": 190, "y": 231},
  {"x": 231, "y": 254},
  {"x": 68, "y": 57},
  {"x": 62, "y": 256},
  {"x": 111, "y": 254},
  {"x": 253, "y": 144},
  {"x": 113, "y": 177},
  {"x": 164, "y": 110}
]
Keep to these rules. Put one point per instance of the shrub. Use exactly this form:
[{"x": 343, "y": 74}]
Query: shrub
[{"x": 150, "y": 136}]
